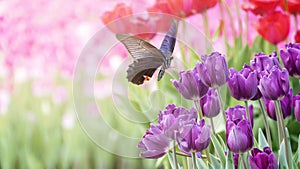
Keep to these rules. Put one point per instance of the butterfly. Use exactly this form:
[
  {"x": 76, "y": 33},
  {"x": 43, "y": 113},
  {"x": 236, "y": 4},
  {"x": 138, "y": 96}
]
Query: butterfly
[{"x": 146, "y": 57}]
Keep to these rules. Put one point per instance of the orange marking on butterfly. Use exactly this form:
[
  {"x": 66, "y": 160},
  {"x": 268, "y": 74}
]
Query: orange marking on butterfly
[{"x": 147, "y": 78}]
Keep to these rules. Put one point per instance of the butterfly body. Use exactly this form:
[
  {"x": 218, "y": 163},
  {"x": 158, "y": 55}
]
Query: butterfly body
[{"x": 147, "y": 58}]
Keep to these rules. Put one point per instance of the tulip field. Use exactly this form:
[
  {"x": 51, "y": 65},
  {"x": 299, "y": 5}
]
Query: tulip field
[{"x": 166, "y": 84}]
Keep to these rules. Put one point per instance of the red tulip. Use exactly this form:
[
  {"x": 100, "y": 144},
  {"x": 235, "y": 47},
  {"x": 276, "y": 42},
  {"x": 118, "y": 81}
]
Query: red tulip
[
  {"x": 293, "y": 6},
  {"x": 297, "y": 37},
  {"x": 260, "y": 7},
  {"x": 274, "y": 26},
  {"x": 182, "y": 8},
  {"x": 133, "y": 24},
  {"x": 119, "y": 11}
]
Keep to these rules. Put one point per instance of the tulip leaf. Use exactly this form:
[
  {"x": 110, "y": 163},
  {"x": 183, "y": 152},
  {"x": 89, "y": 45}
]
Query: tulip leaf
[
  {"x": 298, "y": 159},
  {"x": 289, "y": 148},
  {"x": 200, "y": 163},
  {"x": 262, "y": 141},
  {"x": 210, "y": 166},
  {"x": 281, "y": 156},
  {"x": 171, "y": 160},
  {"x": 219, "y": 150},
  {"x": 215, "y": 162},
  {"x": 229, "y": 161},
  {"x": 160, "y": 161},
  {"x": 222, "y": 142}
]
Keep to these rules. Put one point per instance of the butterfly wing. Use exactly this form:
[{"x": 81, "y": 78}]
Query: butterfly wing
[
  {"x": 139, "y": 48},
  {"x": 147, "y": 58},
  {"x": 169, "y": 41},
  {"x": 142, "y": 69}
]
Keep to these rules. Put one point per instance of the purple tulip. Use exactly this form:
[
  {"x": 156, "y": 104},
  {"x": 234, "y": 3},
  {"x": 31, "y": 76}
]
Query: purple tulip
[
  {"x": 242, "y": 85},
  {"x": 296, "y": 103},
  {"x": 190, "y": 85},
  {"x": 258, "y": 95},
  {"x": 285, "y": 103},
  {"x": 194, "y": 138},
  {"x": 291, "y": 59},
  {"x": 239, "y": 136},
  {"x": 262, "y": 62},
  {"x": 173, "y": 118},
  {"x": 213, "y": 70},
  {"x": 238, "y": 113},
  {"x": 275, "y": 85},
  {"x": 154, "y": 143},
  {"x": 209, "y": 104},
  {"x": 262, "y": 159}
]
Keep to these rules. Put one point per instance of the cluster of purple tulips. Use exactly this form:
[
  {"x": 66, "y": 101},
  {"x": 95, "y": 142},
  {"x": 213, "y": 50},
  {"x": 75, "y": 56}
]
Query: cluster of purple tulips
[{"x": 263, "y": 80}]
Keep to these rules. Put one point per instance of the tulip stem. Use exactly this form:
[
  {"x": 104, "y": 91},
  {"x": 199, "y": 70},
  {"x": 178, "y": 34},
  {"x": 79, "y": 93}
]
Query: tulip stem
[
  {"x": 266, "y": 123},
  {"x": 230, "y": 17},
  {"x": 224, "y": 27},
  {"x": 280, "y": 118},
  {"x": 279, "y": 127},
  {"x": 285, "y": 5},
  {"x": 243, "y": 160},
  {"x": 212, "y": 125},
  {"x": 206, "y": 25},
  {"x": 194, "y": 160},
  {"x": 247, "y": 111},
  {"x": 221, "y": 104},
  {"x": 237, "y": 8},
  {"x": 296, "y": 22},
  {"x": 198, "y": 108},
  {"x": 174, "y": 153},
  {"x": 207, "y": 155}
]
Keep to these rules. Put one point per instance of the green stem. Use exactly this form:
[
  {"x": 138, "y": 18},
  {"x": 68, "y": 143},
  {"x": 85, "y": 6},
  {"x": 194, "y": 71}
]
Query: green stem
[
  {"x": 207, "y": 155},
  {"x": 296, "y": 22},
  {"x": 266, "y": 123},
  {"x": 174, "y": 154},
  {"x": 188, "y": 162},
  {"x": 228, "y": 10},
  {"x": 237, "y": 8},
  {"x": 194, "y": 160},
  {"x": 224, "y": 27},
  {"x": 247, "y": 111},
  {"x": 246, "y": 27},
  {"x": 221, "y": 104},
  {"x": 179, "y": 153},
  {"x": 206, "y": 30},
  {"x": 243, "y": 160},
  {"x": 278, "y": 124},
  {"x": 198, "y": 108},
  {"x": 206, "y": 24},
  {"x": 285, "y": 5},
  {"x": 212, "y": 125},
  {"x": 283, "y": 132}
]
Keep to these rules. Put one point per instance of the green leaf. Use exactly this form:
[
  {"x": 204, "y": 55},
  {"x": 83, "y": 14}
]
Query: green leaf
[
  {"x": 229, "y": 161},
  {"x": 262, "y": 141},
  {"x": 215, "y": 162},
  {"x": 219, "y": 150},
  {"x": 171, "y": 160},
  {"x": 298, "y": 160},
  {"x": 200, "y": 163},
  {"x": 281, "y": 157},
  {"x": 160, "y": 161},
  {"x": 210, "y": 166}
]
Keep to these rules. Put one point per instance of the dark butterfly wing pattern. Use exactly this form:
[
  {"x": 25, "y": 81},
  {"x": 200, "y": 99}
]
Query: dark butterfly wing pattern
[
  {"x": 147, "y": 58},
  {"x": 169, "y": 41}
]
